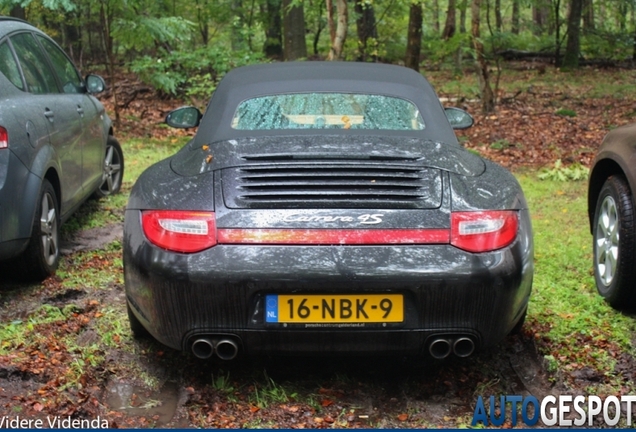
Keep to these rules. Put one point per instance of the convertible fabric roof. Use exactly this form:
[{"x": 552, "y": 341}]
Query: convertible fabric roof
[{"x": 321, "y": 76}]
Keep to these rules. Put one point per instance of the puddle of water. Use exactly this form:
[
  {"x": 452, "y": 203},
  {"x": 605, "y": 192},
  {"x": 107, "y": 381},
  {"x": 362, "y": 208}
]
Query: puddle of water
[{"x": 135, "y": 401}]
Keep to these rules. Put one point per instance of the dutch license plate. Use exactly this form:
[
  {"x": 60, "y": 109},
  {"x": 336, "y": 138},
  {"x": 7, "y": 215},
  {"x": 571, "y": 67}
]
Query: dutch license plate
[{"x": 368, "y": 308}]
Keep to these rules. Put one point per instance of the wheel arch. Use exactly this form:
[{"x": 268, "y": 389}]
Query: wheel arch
[
  {"x": 53, "y": 177},
  {"x": 601, "y": 172}
]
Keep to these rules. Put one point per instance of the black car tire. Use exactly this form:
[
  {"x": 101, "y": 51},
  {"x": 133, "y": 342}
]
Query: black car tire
[
  {"x": 137, "y": 329},
  {"x": 42, "y": 255},
  {"x": 615, "y": 244},
  {"x": 113, "y": 173},
  {"x": 519, "y": 325}
]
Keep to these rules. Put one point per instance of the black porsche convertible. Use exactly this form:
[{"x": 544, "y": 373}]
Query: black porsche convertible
[{"x": 326, "y": 207}]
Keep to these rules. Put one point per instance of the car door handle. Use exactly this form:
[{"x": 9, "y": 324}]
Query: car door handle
[
  {"x": 80, "y": 111},
  {"x": 49, "y": 114}
]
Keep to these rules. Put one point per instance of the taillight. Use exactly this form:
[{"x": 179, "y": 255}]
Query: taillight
[
  {"x": 180, "y": 231},
  {"x": 483, "y": 231},
  {"x": 4, "y": 138}
]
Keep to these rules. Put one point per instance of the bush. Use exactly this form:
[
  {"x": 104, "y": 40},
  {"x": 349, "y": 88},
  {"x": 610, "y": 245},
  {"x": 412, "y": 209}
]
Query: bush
[{"x": 192, "y": 73}]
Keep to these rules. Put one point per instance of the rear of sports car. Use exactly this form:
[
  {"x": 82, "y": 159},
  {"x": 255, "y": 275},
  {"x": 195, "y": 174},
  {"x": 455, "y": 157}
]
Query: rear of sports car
[{"x": 350, "y": 246}]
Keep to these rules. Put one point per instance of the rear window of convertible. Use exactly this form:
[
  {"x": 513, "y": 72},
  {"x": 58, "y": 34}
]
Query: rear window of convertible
[{"x": 327, "y": 111}]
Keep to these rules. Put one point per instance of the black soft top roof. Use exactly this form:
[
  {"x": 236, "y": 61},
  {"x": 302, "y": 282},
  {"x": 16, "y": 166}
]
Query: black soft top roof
[{"x": 317, "y": 76}]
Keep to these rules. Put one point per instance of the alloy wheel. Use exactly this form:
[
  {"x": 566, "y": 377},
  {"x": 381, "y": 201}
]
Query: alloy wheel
[
  {"x": 49, "y": 229},
  {"x": 607, "y": 241}
]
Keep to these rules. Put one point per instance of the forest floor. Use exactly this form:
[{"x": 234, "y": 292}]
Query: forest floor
[{"x": 143, "y": 384}]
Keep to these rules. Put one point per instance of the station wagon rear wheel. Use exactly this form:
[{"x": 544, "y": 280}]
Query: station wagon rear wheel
[
  {"x": 42, "y": 255},
  {"x": 614, "y": 244}
]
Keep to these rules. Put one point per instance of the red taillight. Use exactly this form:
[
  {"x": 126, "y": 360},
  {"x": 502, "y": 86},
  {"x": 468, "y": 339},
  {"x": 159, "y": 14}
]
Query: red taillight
[
  {"x": 180, "y": 231},
  {"x": 333, "y": 236},
  {"x": 483, "y": 231},
  {"x": 4, "y": 138}
]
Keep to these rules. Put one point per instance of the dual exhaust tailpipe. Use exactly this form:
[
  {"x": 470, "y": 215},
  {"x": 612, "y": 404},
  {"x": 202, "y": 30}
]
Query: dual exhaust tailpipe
[
  {"x": 225, "y": 348},
  {"x": 442, "y": 347}
]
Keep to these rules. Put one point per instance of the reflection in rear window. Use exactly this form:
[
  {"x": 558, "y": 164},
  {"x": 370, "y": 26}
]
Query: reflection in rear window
[{"x": 327, "y": 111}]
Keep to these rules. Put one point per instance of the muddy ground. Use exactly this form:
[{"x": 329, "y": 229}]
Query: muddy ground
[{"x": 153, "y": 386}]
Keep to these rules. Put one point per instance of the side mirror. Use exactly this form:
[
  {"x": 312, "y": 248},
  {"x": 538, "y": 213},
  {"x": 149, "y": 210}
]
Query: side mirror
[
  {"x": 458, "y": 118},
  {"x": 184, "y": 117},
  {"x": 95, "y": 84}
]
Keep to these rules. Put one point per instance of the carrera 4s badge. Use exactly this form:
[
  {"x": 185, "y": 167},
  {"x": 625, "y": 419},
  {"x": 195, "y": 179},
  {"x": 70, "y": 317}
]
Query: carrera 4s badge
[{"x": 363, "y": 219}]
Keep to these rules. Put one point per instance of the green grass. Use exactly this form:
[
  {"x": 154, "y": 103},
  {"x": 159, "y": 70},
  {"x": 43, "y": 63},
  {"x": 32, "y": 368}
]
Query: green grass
[{"x": 578, "y": 324}]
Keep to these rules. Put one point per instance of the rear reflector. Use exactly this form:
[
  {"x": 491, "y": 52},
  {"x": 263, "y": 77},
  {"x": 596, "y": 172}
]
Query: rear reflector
[
  {"x": 483, "y": 231},
  {"x": 333, "y": 236},
  {"x": 4, "y": 138},
  {"x": 180, "y": 231}
]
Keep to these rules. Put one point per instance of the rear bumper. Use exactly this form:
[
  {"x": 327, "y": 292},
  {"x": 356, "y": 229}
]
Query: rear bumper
[
  {"x": 18, "y": 197},
  {"x": 447, "y": 292}
]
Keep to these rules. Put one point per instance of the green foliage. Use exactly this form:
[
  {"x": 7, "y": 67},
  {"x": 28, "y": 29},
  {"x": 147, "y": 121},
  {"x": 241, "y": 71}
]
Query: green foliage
[
  {"x": 562, "y": 173},
  {"x": 607, "y": 45},
  {"x": 565, "y": 112},
  {"x": 501, "y": 144},
  {"x": 439, "y": 50},
  {"x": 143, "y": 32},
  {"x": 270, "y": 393},
  {"x": 191, "y": 72},
  {"x": 63, "y": 5}
]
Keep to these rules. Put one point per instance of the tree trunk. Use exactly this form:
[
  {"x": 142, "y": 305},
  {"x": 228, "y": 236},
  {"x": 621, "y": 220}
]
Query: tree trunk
[
  {"x": 203, "y": 21},
  {"x": 320, "y": 26},
  {"x": 588, "y": 15},
  {"x": 462, "y": 15},
  {"x": 436, "y": 25},
  {"x": 573, "y": 46},
  {"x": 237, "y": 40},
  {"x": 17, "y": 11},
  {"x": 273, "y": 46},
  {"x": 539, "y": 17},
  {"x": 514, "y": 28},
  {"x": 414, "y": 37},
  {"x": 451, "y": 20},
  {"x": 498, "y": 19},
  {"x": 72, "y": 39},
  {"x": 335, "y": 53},
  {"x": 487, "y": 95},
  {"x": 557, "y": 33},
  {"x": 366, "y": 28},
  {"x": 294, "y": 45},
  {"x": 106, "y": 19},
  {"x": 331, "y": 23}
]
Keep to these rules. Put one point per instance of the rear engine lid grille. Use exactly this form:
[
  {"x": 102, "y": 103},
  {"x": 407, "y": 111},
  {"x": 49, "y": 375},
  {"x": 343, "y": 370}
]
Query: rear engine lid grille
[{"x": 332, "y": 185}]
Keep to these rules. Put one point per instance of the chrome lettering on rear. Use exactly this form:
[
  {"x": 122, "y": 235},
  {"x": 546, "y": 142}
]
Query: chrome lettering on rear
[{"x": 365, "y": 219}]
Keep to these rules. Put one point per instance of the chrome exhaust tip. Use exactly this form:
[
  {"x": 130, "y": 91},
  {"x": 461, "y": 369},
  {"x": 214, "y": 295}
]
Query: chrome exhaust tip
[
  {"x": 440, "y": 348},
  {"x": 463, "y": 347},
  {"x": 203, "y": 348},
  {"x": 227, "y": 349}
]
